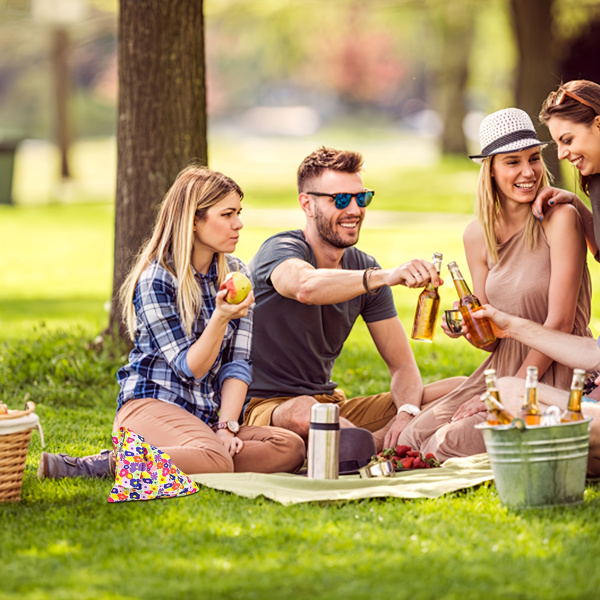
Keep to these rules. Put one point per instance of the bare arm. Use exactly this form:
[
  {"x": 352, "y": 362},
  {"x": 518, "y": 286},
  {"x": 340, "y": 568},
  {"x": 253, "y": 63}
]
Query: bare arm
[
  {"x": 567, "y": 258},
  {"x": 298, "y": 280},
  {"x": 233, "y": 394},
  {"x": 406, "y": 384},
  {"x": 574, "y": 351}
]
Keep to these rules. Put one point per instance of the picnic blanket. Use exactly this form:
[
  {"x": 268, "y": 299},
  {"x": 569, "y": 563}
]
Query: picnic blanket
[{"x": 455, "y": 474}]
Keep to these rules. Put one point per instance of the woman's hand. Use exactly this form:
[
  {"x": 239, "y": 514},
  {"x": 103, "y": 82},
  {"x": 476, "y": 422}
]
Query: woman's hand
[
  {"x": 469, "y": 408},
  {"x": 232, "y": 443},
  {"x": 447, "y": 330},
  {"x": 549, "y": 197},
  {"x": 501, "y": 321},
  {"x": 232, "y": 311}
]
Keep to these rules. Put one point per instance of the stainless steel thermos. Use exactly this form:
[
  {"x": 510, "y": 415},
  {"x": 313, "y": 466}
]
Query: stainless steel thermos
[{"x": 324, "y": 442}]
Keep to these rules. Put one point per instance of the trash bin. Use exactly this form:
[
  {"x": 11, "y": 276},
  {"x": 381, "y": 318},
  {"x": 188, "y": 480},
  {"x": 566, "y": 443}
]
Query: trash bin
[{"x": 8, "y": 149}]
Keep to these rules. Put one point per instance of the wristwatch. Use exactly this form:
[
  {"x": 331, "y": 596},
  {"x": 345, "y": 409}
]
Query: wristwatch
[
  {"x": 232, "y": 425},
  {"x": 411, "y": 409}
]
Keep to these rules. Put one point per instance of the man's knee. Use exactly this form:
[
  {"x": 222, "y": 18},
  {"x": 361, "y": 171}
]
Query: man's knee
[{"x": 294, "y": 414}]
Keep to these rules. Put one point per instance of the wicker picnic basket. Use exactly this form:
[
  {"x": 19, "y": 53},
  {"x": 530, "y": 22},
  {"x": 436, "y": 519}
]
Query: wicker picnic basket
[{"x": 15, "y": 433}]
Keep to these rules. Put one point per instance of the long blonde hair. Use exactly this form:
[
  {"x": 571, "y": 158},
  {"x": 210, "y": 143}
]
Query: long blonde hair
[
  {"x": 193, "y": 192},
  {"x": 488, "y": 209}
]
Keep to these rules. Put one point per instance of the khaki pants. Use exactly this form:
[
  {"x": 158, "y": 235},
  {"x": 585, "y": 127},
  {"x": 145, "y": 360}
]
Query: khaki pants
[
  {"x": 195, "y": 448},
  {"x": 368, "y": 412}
]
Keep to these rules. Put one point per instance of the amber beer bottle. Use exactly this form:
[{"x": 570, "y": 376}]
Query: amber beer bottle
[
  {"x": 573, "y": 412},
  {"x": 491, "y": 386},
  {"x": 530, "y": 411},
  {"x": 428, "y": 307},
  {"x": 480, "y": 329},
  {"x": 496, "y": 408}
]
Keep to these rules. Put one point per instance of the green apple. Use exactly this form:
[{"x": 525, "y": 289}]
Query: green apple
[{"x": 238, "y": 286}]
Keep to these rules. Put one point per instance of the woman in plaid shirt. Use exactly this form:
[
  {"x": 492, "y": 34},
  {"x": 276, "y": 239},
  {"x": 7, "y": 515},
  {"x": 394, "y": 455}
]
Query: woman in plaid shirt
[{"x": 184, "y": 386}]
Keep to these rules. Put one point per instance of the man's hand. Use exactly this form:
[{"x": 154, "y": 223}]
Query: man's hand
[
  {"x": 469, "y": 408},
  {"x": 549, "y": 197},
  {"x": 414, "y": 274},
  {"x": 393, "y": 433}
]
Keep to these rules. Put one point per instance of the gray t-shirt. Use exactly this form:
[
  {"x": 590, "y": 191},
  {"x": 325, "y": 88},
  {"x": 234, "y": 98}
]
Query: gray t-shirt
[{"x": 295, "y": 345}]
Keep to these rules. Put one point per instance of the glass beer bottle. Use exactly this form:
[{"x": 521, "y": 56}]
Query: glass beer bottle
[
  {"x": 491, "y": 386},
  {"x": 573, "y": 411},
  {"x": 480, "y": 329},
  {"x": 428, "y": 307},
  {"x": 530, "y": 411},
  {"x": 496, "y": 408}
]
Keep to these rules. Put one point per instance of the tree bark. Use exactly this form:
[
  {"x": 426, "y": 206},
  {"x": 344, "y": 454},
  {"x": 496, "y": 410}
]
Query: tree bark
[
  {"x": 62, "y": 91},
  {"x": 454, "y": 25},
  {"x": 161, "y": 117},
  {"x": 537, "y": 67}
]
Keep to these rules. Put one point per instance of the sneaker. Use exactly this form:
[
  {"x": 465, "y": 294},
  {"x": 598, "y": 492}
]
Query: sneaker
[{"x": 54, "y": 466}]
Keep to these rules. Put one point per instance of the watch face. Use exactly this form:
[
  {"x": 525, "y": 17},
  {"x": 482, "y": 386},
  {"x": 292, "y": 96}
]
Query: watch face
[{"x": 233, "y": 426}]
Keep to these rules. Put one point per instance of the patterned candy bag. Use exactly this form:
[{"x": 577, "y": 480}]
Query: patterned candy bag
[{"x": 144, "y": 472}]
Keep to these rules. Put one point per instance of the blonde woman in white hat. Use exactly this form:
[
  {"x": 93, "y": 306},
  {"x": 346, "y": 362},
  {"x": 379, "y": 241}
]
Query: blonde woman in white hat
[{"x": 519, "y": 264}]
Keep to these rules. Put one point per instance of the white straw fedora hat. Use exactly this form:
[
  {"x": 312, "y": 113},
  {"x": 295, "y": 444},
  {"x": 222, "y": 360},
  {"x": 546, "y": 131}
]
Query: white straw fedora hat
[{"x": 507, "y": 130}]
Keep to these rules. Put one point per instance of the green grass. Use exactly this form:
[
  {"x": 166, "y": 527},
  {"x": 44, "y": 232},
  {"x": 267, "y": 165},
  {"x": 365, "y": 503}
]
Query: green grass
[{"x": 64, "y": 541}]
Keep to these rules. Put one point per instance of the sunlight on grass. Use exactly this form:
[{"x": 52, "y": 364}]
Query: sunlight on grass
[{"x": 56, "y": 269}]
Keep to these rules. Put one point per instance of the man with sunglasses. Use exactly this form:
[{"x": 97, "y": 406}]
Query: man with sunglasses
[{"x": 311, "y": 285}]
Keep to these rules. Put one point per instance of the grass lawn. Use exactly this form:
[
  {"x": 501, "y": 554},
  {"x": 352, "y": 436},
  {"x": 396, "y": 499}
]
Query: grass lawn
[{"x": 65, "y": 542}]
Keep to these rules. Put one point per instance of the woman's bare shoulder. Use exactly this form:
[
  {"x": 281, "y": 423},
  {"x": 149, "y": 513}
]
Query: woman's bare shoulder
[{"x": 473, "y": 233}]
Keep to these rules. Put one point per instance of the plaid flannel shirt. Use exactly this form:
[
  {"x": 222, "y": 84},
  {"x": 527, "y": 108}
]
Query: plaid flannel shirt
[{"x": 158, "y": 363}]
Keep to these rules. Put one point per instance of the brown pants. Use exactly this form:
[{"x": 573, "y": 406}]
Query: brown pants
[
  {"x": 195, "y": 448},
  {"x": 368, "y": 412}
]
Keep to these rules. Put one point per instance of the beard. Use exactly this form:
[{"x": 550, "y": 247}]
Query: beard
[{"x": 328, "y": 234}]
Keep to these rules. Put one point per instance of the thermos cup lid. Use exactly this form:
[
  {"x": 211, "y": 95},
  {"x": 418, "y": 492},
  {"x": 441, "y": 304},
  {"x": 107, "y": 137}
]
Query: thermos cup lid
[{"x": 325, "y": 413}]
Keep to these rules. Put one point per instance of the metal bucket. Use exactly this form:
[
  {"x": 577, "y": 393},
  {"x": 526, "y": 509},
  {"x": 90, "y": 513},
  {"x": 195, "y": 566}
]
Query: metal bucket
[{"x": 539, "y": 466}]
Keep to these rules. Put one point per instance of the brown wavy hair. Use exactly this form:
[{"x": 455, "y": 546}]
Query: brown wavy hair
[{"x": 572, "y": 110}]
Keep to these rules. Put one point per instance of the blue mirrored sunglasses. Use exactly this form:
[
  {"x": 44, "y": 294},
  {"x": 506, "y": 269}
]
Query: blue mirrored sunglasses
[{"x": 342, "y": 200}]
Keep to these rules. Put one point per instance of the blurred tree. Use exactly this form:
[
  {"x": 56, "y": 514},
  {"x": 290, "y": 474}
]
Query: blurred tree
[
  {"x": 453, "y": 28},
  {"x": 161, "y": 117},
  {"x": 547, "y": 32},
  {"x": 580, "y": 60},
  {"x": 537, "y": 67},
  {"x": 62, "y": 91}
]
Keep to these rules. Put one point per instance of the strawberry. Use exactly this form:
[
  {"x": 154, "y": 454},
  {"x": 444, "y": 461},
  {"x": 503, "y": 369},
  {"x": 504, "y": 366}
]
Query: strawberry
[
  {"x": 407, "y": 462},
  {"x": 413, "y": 453},
  {"x": 418, "y": 463},
  {"x": 401, "y": 450}
]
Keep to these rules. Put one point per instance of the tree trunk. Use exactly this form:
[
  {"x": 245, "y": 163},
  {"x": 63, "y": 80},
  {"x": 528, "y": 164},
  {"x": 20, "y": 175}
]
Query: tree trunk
[
  {"x": 537, "y": 67},
  {"x": 62, "y": 90},
  {"x": 162, "y": 117},
  {"x": 454, "y": 25}
]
